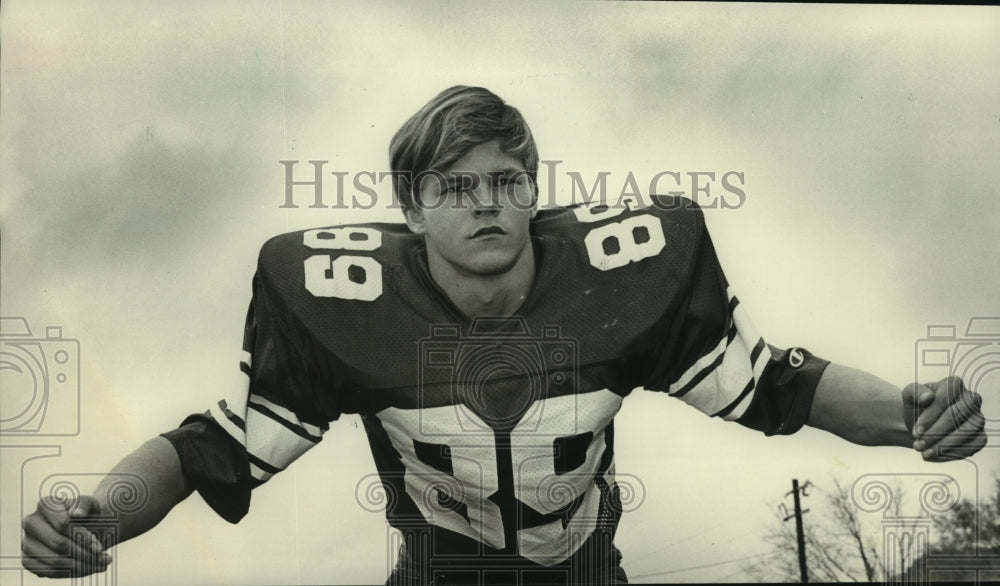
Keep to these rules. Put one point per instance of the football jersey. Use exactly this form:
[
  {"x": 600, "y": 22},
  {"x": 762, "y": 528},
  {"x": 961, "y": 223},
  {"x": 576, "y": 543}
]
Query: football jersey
[{"x": 493, "y": 436}]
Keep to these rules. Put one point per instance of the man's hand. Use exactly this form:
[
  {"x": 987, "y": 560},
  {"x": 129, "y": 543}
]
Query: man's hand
[
  {"x": 56, "y": 543},
  {"x": 945, "y": 419},
  {"x": 59, "y": 537}
]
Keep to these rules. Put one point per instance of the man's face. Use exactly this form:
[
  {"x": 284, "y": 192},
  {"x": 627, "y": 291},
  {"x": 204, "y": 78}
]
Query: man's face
[{"x": 475, "y": 218}]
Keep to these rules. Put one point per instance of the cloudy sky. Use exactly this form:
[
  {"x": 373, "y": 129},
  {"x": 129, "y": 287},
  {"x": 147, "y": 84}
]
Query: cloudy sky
[{"x": 139, "y": 174}]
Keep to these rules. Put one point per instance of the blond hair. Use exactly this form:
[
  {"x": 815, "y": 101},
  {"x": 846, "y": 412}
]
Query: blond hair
[{"x": 457, "y": 120}]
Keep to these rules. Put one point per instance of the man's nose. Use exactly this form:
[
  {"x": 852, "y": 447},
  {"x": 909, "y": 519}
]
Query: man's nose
[{"x": 486, "y": 198}]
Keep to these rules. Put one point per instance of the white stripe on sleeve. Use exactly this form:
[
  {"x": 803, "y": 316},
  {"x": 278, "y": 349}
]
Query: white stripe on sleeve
[{"x": 722, "y": 382}]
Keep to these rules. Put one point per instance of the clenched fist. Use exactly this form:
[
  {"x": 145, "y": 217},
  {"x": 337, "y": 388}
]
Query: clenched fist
[
  {"x": 57, "y": 543},
  {"x": 946, "y": 419}
]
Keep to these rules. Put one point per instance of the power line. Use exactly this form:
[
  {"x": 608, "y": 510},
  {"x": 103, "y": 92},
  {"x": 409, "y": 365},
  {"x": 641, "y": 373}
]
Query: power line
[
  {"x": 701, "y": 567},
  {"x": 713, "y": 547},
  {"x": 724, "y": 522},
  {"x": 739, "y": 571}
]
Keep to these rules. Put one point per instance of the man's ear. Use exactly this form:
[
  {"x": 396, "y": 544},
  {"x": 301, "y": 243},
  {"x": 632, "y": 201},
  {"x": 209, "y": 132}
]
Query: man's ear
[
  {"x": 534, "y": 200},
  {"x": 415, "y": 220}
]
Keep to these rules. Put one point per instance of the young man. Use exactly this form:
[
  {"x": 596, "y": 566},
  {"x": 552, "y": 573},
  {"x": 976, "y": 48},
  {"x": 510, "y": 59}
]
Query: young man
[{"x": 487, "y": 386}]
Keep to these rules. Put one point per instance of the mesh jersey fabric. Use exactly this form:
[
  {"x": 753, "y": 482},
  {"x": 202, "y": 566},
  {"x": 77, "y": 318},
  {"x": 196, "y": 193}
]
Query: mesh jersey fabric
[{"x": 494, "y": 436}]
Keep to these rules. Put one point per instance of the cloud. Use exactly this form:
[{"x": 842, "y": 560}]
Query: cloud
[
  {"x": 140, "y": 142},
  {"x": 127, "y": 210}
]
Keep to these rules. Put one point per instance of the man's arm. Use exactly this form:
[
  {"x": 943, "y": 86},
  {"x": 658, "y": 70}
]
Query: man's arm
[
  {"x": 47, "y": 546},
  {"x": 157, "y": 463},
  {"x": 941, "y": 420},
  {"x": 860, "y": 408}
]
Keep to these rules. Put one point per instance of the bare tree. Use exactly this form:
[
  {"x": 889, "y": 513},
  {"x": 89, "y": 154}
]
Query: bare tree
[
  {"x": 840, "y": 545},
  {"x": 845, "y": 544},
  {"x": 969, "y": 540},
  {"x": 971, "y": 527}
]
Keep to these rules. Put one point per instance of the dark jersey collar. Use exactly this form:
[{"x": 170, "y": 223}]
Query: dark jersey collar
[{"x": 418, "y": 260}]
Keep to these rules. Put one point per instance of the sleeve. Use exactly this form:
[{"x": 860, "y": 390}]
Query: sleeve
[
  {"x": 712, "y": 357},
  {"x": 273, "y": 415}
]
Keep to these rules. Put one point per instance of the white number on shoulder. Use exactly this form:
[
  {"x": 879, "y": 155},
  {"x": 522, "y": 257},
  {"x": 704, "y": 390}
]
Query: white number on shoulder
[
  {"x": 346, "y": 276},
  {"x": 616, "y": 244},
  {"x": 351, "y": 238}
]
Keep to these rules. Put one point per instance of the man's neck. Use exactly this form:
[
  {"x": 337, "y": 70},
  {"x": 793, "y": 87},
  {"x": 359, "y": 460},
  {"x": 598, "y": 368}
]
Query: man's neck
[{"x": 486, "y": 295}]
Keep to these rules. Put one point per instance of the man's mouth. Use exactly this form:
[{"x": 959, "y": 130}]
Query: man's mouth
[{"x": 488, "y": 231}]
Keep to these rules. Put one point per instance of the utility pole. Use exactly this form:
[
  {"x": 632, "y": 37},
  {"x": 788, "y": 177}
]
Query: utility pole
[{"x": 798, "y": 524}]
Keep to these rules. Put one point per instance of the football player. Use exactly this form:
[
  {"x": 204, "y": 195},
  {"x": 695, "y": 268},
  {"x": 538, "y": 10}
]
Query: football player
[{"x": 487, "y": 346}]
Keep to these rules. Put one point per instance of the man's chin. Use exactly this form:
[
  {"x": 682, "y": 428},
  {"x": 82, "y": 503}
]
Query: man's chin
[
  {"x": 493, "y": 269},
  {"x": 492, "y": 264}
]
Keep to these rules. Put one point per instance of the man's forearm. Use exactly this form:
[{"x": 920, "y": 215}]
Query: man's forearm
[
  {"x": 162, "y": 486},
  {"x": 860, "y": 408}
]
